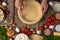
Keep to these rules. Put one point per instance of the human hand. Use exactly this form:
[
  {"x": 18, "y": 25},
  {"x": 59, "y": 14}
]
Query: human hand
[
  {"x": 44, "y": 6},
  {"x": 18, "y": 4}
]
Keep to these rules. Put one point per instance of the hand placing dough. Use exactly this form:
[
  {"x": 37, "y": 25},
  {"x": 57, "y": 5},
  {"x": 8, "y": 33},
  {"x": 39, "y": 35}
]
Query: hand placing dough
[{"x": 18, "y": 4}]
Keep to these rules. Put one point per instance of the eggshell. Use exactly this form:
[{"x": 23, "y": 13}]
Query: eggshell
[
  {"x": 17, "y": 29},
  {"x": 38, "y": 32},
  {"x": 51, "y": 27},
  {"x": 4, "y": 3}
]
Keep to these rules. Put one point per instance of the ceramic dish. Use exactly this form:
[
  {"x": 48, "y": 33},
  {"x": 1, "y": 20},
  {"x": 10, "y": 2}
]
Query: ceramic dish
[
  {"x": 31, "y": 13},
  {"x": 1, "y": 15},
  {"x": 9, "y": 20},
  {"x": 21, "y": 36},
  {"x": 57, "y": 27}
]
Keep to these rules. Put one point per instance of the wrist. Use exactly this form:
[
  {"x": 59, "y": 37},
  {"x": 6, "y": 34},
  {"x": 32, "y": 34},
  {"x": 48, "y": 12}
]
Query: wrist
[{"x": 44, "y": 0}]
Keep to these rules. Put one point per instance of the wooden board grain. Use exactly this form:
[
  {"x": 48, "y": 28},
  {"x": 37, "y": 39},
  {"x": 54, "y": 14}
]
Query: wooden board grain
[
  {"x": 4, "y": 0},
  {"x": 11, "y": 7},
  {"x": 18, "y": 21},
  {"x": 35, "y": 26}
]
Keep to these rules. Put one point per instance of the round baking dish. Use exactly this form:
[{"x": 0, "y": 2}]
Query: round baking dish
[{"x": 31, "y": 13}]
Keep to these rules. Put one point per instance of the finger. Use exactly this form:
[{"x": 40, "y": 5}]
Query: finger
[
  {"x": 17, "y": 6},
  {"x": 45, "y": 9},
  {"x": 42, "y": 9},
  {"x": 19, "y": 9}
]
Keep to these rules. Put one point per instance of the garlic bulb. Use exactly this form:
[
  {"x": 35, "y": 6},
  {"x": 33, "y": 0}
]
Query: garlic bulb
[
  {"x": 4, "y": 3},
  {"x": 38, "y": 32},
  {"x": 51, "y": 27},
  {"x": 17, "y": 29},
  {"x": 10, "y": 39}
]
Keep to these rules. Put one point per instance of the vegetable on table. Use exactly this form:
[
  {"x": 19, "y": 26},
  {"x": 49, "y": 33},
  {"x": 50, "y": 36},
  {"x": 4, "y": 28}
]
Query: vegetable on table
[{"x": 3, "y": 32}]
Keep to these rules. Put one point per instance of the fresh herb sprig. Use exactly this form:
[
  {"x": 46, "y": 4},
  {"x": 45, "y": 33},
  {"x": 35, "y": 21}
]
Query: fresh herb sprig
[{"x": 3, "y": 32}]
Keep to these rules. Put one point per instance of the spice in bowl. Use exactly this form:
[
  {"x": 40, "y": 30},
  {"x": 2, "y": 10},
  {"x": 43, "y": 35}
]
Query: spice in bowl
[{"x": 9, "y": 20}]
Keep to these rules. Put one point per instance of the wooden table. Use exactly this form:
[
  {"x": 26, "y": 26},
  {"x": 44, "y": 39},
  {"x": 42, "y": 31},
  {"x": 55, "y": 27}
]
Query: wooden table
[{"x": 13, "y": 13}]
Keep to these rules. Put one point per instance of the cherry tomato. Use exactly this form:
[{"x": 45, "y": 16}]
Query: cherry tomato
[
  {"x": 29, "y": 33},
  {"x": 48, "y": 23},
  {"x": 56, "y": 21},
  {"x": 48, "y": 19},
  {"x": 53, "y": 18},
  {"x": 42, "y": 28},
  {"x": 7, "y": 12}
]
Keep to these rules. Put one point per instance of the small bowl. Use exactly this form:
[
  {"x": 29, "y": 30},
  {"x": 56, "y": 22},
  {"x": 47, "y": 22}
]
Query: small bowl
[
  {"x": 4, "y": 16},
  {"x": 31, "y": 13},
  {"x": 9, "y": 20}
]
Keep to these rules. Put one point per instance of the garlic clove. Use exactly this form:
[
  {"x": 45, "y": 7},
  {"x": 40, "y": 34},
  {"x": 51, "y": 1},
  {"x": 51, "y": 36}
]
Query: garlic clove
[
  {"x": 38, "y": 32},
  {"x": 4, "y": 3},
  {"x": 51, "y": 27},
  {"x": 17, "y": 29},
  {"x": 10, "y": 39}
]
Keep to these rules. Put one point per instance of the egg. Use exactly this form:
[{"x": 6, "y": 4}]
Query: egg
[
  {"x": 10, "y": 39},
  {"x": 4, "y": 3},
  {"x": 51, "y": 27},
  {"x": 38, "y": 32},
  {"x": 17, "y": 29}
]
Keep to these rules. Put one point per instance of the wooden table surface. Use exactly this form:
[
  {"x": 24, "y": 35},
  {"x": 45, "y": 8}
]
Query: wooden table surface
[{"x": 13, "y": 13}]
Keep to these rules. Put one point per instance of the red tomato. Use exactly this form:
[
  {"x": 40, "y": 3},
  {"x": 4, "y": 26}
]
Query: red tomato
[
  {"x": 29, "y": 33},
  {"x": 48, "y": 19},
  {"x": 52, "y": 23},
  {"x": 26, "y": 30},
  {"x": 7, "y": 12},
  {"x": 42, "y": 28},
  {"x": 56, "y": 21},
  {"x": 23, "y": 28},
  {"x": 48, "y": 23},
  {"x": 53, "y": 18}
]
